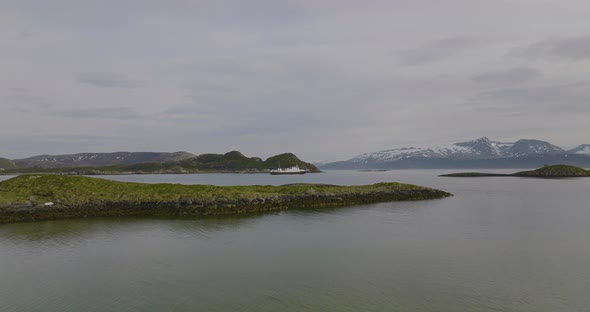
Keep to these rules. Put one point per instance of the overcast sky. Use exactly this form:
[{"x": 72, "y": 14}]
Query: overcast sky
[{"x": 325, "y": 79}]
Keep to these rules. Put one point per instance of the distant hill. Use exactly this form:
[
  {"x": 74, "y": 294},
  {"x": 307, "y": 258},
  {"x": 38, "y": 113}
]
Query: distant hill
[
  {"x": 555, "y": 171},
  {"x": 480, "y": 153},
  {"x": 6, "y": 164},
  {"x": 235, "y": 160},
  {"x": 288, "y": 160},
  {"x": 220, "y": 162},
  {"x": 229, "y": 162},
  {"x": 99, "y": 159},
  {"x": 582, "y": 149}
]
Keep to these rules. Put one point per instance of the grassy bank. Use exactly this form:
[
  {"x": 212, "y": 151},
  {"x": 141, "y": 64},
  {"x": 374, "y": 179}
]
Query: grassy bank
[{"x": 23, "y": 198}]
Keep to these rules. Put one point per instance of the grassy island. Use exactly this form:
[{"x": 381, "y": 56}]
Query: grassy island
[
  {"x": 46, "y": 197},
  {"x": 555, "y": 171}
]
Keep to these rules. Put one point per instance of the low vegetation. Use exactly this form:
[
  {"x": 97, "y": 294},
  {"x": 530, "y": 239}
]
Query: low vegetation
[
  {"x": 24, "y": 198},
  {"x": 554, "y": 171},
  {"x": 6, "y": 164}
]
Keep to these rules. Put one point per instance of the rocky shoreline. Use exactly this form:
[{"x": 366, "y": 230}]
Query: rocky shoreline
[{"x": 61, "y": 208}]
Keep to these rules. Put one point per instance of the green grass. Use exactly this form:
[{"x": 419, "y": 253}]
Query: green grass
[
  {"x": 555, "y": 171},
  {"x": 6, "y": 164},
  {"x": 76, "y": 190},
  {"x": 22, "y": 198}
]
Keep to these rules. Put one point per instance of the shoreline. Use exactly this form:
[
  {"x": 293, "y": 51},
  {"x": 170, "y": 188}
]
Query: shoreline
[
  {"x": 546, "y": 172},
  {"x": 26, "y": 198},
  {"x": 138, "y": 173}
]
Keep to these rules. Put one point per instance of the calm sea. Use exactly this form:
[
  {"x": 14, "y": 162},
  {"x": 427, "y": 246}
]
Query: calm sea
[{"x": 500, "y": 244}]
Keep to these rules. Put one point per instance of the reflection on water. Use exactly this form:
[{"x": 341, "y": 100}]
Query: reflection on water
[
  {"x": 500, "y": 244},
  {"x": 63, "y": 230},
  {"x": 6, "y": 177}
]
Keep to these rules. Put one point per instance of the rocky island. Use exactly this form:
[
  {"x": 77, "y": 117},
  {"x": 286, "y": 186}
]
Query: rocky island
[
  {"x": 47, "y": 197},
  {"x": 555, "y": 171}
]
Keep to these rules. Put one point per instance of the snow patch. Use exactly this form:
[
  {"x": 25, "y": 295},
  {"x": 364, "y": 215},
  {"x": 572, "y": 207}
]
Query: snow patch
[
  {"x": 584, "y": 150},
  {"x": 482, "y": 148}
]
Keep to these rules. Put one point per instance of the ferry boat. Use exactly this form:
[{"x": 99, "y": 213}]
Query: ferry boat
[{"x": 293, "y": 170}]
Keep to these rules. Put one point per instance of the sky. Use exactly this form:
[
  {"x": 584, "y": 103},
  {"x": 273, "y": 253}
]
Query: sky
[{"x": 324, "y": 79}]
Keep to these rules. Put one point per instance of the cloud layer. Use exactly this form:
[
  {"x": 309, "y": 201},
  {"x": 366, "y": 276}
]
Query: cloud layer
[{"x": 323, "y": 79}]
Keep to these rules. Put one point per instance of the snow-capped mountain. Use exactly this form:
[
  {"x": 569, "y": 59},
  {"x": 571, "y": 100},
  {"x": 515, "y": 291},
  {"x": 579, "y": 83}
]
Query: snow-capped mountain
[
  {"x": 477, "y": 153},
  {"x": 583, "y": 149},
  {"x": 319, "y": 163},
  {"x": 482, "y": 148},
  {"x": 533, "y": 147}
]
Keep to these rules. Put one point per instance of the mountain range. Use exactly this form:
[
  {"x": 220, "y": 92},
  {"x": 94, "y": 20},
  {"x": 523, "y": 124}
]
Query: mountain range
[
  {"x": 480, "y": 153},
  {"x": 99, "y": 159},
  {"x": 150, "y": 162}
]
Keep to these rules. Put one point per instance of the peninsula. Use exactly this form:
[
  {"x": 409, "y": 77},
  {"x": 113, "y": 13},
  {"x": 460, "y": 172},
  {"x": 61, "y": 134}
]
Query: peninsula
[
  {"x": 555, "y": 171},
  {"x": 47, "y": 197},
  {"x": 149, "y": 162}
]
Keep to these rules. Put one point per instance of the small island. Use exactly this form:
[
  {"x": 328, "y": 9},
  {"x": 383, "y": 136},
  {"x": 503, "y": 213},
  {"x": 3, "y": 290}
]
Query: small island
[
  {"x": 554, "y": 171},
  {"x": 48, "y": 197}
]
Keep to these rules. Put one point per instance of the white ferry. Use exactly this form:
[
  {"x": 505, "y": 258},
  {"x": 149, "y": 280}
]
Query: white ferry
[{"x": 293, "y": 170}]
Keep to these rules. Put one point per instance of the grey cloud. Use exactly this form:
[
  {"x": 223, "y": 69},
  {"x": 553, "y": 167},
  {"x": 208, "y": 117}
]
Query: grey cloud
[
  {"x": 504, "y": 111},
  {"x": 60, "y": 144},
  {"x": 24, "y": 101},
  {"x": 98, "y": 113},
  {"x": 437, "y": 50},
  {"x": 509, "y": 76},
  {"x": 569, "y": 49},
  {"x": 310, "y": 76},
  {"x": 187, "y": 110},
  {"x": 558, "y": 99},
  {"x": 106, "y": 80}
]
